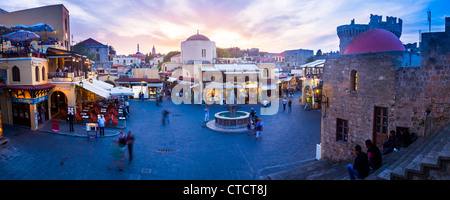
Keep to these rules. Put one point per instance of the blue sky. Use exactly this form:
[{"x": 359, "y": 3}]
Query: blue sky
[{"x": 269, "y": 25}]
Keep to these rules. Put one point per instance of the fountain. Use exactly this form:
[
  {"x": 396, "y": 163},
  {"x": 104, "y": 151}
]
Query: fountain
[{"x": 230, "y": 121}]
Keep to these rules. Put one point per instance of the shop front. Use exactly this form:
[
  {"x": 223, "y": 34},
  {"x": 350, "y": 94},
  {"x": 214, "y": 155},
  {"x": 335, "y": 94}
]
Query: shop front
[{"x": 29, "y": 104}]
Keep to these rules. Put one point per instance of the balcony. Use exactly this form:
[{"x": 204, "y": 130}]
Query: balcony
[
  {"x": 65, "y": 76},
  {"x": 21, "y": 54}
]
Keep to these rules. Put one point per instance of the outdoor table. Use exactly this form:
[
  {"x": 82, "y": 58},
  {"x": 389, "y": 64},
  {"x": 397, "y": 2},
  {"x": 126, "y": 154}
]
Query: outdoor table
[
  {"x": 85, "y": 117},
  {"x": 122, "y": 118},
  {"x": 83, "y": 114}
]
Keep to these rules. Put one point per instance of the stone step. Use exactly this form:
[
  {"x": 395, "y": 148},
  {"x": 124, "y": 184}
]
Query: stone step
[
  {"x": 433, "y": 143},
  {"x": 404, "y": 155},
  {"x": 425, "y": 146},
  {"x": 429, "y": 157}
]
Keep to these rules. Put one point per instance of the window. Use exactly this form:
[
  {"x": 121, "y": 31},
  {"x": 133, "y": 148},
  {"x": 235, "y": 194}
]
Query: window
[
  {"x": 37, "y": 73},
  {"x": 354, "y": 80},
  {"x": 266, "y": 72},
  {"x": 203, "y": 53},
  {"x": 341, "y": 130},
  {"x": 43, "y": 73},
  {"x": 16, "y": 73}
]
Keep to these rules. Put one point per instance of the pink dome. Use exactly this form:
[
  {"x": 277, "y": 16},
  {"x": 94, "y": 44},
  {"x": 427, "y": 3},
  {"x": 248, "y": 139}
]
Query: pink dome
[
  {"x": 198, "y": 37},
  {"x": 374, "y": 40}
]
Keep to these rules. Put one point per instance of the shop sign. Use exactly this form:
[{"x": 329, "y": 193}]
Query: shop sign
[
  {"x": 36, "y": 63},
  {"x": 29, "y": 101}
]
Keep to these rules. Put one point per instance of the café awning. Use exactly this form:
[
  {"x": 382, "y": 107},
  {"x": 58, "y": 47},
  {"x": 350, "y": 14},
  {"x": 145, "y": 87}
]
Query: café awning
[{"x": 94, "y": 88}]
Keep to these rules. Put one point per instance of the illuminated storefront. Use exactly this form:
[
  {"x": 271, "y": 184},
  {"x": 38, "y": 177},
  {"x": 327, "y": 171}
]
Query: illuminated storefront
[{"x": 29, "y": 104}]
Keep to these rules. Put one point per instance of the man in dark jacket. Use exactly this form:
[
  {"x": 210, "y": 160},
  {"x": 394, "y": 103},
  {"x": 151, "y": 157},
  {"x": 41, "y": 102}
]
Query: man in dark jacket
[
  {"x": 374, "y": 155},
  {"x": 360, "y": 167},
  {"x": 71, "y": 118}
]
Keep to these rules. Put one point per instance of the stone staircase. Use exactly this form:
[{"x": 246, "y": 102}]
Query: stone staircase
[{"x": 427, "y": 158}]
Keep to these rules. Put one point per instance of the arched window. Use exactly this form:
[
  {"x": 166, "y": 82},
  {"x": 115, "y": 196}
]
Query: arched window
[
  {"x": 266, "y": 72},
  {"x": 16, "y": 73},
  {"x": 43, "y": 73},
  {"x": 37, "y": 73},
  {"x": 354, "y": 80}
]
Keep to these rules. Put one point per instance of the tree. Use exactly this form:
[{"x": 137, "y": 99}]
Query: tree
[
  {"x": 223, "y": 53},
  {"x": 319, "y": 53},
  {"x": 169, "y": 55},
  {"x": 148, "y": 57}
]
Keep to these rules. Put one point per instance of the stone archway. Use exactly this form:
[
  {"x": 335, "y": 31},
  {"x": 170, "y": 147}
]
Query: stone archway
[
  {"x": 58, "y": 102},
  {"x": 307, "y": 90}
]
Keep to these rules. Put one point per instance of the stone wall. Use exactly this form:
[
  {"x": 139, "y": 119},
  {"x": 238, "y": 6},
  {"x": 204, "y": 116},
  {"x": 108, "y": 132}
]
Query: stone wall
[
  {"x": 415, "y": 97},
  {"x": 375, "y": 80}
]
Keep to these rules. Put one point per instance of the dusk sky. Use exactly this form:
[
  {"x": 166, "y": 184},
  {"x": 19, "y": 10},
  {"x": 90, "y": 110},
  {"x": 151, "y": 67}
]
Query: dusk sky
[{"x": 272, "y": 26}]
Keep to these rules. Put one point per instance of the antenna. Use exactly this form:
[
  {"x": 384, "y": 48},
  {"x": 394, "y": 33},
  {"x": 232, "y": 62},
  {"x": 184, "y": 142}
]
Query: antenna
[{"x": 429, "y": 19}]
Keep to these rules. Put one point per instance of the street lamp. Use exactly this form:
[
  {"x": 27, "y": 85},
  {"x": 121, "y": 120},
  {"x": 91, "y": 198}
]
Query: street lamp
[{"x": 81, "y": 83}]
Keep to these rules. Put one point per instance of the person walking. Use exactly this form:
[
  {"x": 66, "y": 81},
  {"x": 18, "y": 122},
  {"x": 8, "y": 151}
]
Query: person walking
[
  {"x": 119, "y": 150},
  {"x": 117, "y": 153},
  {"x": 252, "y": 114},
  {"x": 165, "y": 115},
  {"x": 101, "y": 125},
  {"x": 259, "y": 128},
  {"x": 290, "y": 105},
  {"x": 127, "y": 105},
  {"x": 360, "y": 167},
  {"x": 284, "y": 103},
  {"x": 130, "y": 142},
  {"x": 206, "y": 109}
]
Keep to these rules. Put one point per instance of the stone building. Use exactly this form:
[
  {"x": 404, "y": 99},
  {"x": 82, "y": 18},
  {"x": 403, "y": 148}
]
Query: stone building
[
  {"x": 347, "y": 32},
  {"x": 198, "y": 48},
  {"x": 295, "y": 58},
  {"x": 99, "y": 50},
  {"x": 370, "y": 91}
]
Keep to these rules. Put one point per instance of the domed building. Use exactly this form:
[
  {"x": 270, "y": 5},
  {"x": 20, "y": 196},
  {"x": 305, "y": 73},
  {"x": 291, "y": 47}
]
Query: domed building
[
  {"x": 198, "y": 48},
  {"x": 373, "y": 88},
  {"x": 374, "y": 40}
]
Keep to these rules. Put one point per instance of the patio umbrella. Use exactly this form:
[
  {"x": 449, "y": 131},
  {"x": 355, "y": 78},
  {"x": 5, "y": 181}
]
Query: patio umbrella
[
  {"x": 3, "y": 27},
  {"x": 19, "y": 27},
  {"x": 21, "y": 35},
  {"x": 39, "y": 27},
  {"x": 118, "y": 91}
]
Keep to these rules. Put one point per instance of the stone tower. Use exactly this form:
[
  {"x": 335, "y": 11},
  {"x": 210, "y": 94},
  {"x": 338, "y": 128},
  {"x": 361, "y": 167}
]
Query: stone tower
[{"x": 347, "y": 32}]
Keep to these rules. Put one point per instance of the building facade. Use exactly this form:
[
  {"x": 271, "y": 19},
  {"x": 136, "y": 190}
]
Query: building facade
[
  {"x": 56, "y": 16},
  {"x": 99, "y": 50},
  {"x": 295, "y": 58},
  {"x": 369, "y": 93}
]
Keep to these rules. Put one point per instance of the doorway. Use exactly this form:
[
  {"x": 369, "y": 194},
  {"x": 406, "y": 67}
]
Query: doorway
[
  {"x": 380, "y": 126},
  {"x": 58, "y": 104}
]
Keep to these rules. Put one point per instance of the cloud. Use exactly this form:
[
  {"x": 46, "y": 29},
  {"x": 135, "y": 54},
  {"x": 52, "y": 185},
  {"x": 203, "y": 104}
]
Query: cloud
[{"x": 270, "y": 25}]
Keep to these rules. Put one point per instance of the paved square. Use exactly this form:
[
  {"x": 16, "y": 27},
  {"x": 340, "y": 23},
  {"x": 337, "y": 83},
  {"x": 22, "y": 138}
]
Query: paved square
[{"x": 182, "y": 149}]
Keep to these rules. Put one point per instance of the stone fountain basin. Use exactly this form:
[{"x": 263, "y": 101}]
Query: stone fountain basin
[{"x": 239, "y": 121}]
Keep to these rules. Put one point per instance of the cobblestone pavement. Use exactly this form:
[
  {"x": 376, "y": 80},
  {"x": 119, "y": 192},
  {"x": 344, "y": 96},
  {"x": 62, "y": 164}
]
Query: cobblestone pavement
[{"x": 182, "y": 149}]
